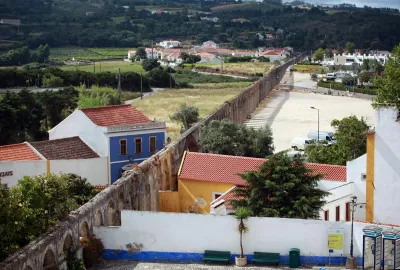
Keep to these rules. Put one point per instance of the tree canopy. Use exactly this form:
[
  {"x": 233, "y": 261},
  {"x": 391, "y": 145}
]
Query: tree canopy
[
  {"x": 388, "y": 93},
  {"x": 187, "y": 115},
  {"x": 351, "y": 142},
  {"x": 229, "y": 138},
  {"x": 282, "y": 187}
]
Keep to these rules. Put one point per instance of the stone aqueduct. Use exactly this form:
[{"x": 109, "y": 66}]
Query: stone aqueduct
[{"x": 136, "y": 189}]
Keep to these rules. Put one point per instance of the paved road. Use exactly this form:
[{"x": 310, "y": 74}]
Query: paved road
[{"x": 154, "y": 90}]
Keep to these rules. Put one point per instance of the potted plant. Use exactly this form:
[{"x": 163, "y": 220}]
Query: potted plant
[{"x": 241, "y": 214}]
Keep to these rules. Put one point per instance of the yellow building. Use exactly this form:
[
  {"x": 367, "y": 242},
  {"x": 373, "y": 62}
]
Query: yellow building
[{"x": 203, "y": 177}]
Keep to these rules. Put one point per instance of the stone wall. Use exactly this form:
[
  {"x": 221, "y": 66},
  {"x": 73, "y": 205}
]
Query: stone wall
[{"x": 138, "y": 188}]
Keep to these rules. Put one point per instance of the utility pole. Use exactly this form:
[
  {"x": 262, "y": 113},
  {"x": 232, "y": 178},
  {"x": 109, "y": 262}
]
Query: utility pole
[
  {"x": 141, "y": 86},
  {"x": 94, "y": 67},
  {"x": 119, "y": 79}
]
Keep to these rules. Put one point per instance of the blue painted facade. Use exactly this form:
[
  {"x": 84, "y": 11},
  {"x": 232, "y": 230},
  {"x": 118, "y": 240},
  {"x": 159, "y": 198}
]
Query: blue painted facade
[
  {"x": 117, "y": 161},
  {"x": 179, "y": 257}
]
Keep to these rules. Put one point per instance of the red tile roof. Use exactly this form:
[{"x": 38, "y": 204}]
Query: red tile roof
[
  {"x": 17, "y": 152},
  {"x": 115, "y": 115},
  {"x": 66, "y": 148},
  {"x": 225, "y": 169}
]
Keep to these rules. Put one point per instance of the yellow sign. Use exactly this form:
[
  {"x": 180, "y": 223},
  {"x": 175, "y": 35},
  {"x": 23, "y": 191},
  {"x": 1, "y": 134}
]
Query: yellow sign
[{"x": 335, "y": 241}]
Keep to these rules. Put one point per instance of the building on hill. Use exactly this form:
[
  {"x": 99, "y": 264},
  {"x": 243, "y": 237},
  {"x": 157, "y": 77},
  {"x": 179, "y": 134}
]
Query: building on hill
[
  {"x": 16, "y": 22},
  {"x": 358, "y": 58},
  {"x": 209, "y": 44},
  {"x": 170, "y": 44},
  {"x": 120, "y": 133},
  {"x": 240, "y": 20},
  {"x": 203, "y": 178},
  {"x": 209, "y": 19},
  {"x": 67, "y": 155}
]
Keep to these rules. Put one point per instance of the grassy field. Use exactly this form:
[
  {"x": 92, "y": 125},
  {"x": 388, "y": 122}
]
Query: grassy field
[
  {"x": 108, "y": 66},
  {"x": 206, "y": 97},
  {"x": 307, "y": 68},
  {"x": 245, "y": 67},
  {"x": 66, "y": 53}
]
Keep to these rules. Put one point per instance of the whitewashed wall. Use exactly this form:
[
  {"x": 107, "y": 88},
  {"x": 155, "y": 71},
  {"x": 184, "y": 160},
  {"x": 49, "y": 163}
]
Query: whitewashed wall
[
  {"x": 339, "y": 197},
  {"x": 327, "y": 184},
  {"x": 21, "y": 169},
  {"x": 78, "y": 124},
  {"x": 94, "y": 169},
  {"x": 194, "y": 233},
  {"x": 355, "y": 169},
  {"x": 387, "y": 166}
]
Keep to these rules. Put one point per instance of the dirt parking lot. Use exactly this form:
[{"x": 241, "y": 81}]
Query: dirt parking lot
[{"x": 289, "y": 115}]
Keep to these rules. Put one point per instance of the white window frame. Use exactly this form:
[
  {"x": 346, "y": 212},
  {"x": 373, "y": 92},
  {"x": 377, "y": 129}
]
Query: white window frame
[{"x": 216, "y": 193}]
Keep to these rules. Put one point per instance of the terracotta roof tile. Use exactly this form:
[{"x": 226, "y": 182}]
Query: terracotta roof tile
[
  {"x": 66, "y": 148},
  {"x": 225, "y": 169},
  {"x": 15, "y": 152},
  {"x": 115, "y": 115}
]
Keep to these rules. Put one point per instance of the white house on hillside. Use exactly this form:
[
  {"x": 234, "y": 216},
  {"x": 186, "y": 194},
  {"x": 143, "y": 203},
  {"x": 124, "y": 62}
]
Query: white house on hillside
[{"x": 170, "y": 44}]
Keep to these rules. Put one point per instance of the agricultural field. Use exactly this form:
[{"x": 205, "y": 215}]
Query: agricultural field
[
  {"x": 108, "y": 66},
  {"x": 206, "y": 97},
  {"x": 67, "y": 53},
  {"x": 307, "y": 68},
  {"x": 249, "y": 68}
]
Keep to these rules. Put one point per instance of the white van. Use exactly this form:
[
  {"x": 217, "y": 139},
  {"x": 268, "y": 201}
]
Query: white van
[
  {"x": 323, "y": 136},
  {"x": 300, "y": 143},
  {"x": 330, "y": 76}
]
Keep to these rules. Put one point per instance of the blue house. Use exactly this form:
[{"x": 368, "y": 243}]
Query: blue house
[{"x": 121, "y": 133}]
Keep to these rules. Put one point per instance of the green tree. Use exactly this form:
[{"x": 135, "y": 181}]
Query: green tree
[
  {"x": 318, "y": 56},
  {"x": 228, "y": 138},
  {"x": 351, "y": 142},
  {"x": 283, "y": 187},
  {"x": 366, "y": 64},
  {"x": 388, "y": 93},
  {"x": 242, "y": 214},
  {"x": 191, "y": 59},
  {"x": 43, "y": 53},
  {"x": 329, "y": 53},
  {"x": 150, "y": 64},
  {"x": 187, "y": 115},
  {"x": 349, "y": 47},
  {"x": 161, "y": 78},
  {"x": 141, "y": 52},
  {"x": 50, "y": 80},
  {"x": 80, "y": 189}
]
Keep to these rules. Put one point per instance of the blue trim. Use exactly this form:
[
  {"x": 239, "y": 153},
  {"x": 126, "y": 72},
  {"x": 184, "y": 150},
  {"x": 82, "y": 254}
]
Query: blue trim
[{"x": 154, "y": 256}]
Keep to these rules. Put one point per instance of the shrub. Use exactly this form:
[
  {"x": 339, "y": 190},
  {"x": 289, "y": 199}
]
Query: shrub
[
  {"x": 50, "y": 80},
  {"x": 92, "y": 250}
]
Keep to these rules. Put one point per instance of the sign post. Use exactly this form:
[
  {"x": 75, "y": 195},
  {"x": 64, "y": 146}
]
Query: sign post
[{"x": 335, "y": 242}]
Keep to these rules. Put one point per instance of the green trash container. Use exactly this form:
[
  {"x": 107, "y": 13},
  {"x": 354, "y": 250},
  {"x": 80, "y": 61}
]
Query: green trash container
[{"x": 294, "y": 258}]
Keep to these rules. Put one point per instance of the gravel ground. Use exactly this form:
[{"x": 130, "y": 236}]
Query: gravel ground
[
  {"x": 289, "y": 115},
  {"x": 129, "y": 265}
]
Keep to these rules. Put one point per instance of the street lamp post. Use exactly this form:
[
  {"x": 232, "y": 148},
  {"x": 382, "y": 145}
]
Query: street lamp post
[
  {"x": 353, "y": 209},
  {"x": 318, "y": 121}
]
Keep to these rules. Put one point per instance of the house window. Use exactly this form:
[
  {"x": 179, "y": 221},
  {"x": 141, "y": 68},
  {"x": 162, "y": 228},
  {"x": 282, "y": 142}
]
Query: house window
[
  {"x": 123, "y": 147},
  {"x": 138, "y": 145},
  {"x": 337, "y": 213},
  {"x": 363, "y": 177},
  {"x": 347, "y": 211},
  {"x": 216, "y": 195},
  {"x": 326, "y": 215},
  {"x": 153, "y": 144}
]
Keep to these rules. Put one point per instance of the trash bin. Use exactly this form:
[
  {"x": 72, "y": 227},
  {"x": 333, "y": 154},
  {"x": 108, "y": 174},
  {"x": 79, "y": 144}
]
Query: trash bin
[{"x": 294, "y": 258}]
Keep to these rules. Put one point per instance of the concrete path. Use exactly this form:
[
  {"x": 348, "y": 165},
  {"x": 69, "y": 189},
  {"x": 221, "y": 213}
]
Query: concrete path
[{"x": 130, "y": 265}]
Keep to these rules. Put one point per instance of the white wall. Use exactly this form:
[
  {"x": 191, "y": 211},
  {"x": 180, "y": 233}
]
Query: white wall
[
  {"x": 21, "y": 169},
  {"x": 339, "y": 197},
  {"x": 327, "y": 184},
  {"x": 387, "y": 166},
  {"x": 178, "y": 232},
  {"x": 355, "y": 169},
  {"x": 94, "y": 169},
  {"x": 78, "y": 124}
]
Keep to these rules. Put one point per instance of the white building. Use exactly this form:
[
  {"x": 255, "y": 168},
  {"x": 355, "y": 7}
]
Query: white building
[
  {"x": 357, "y": 58},
  {"x": 170, "y": 44},
  {"x": 209, "y": 44},
  {"x": 120, "y": 133},
  {"x": 67, "y": 155},
  {"x": 383, "y": 170},
  {"x": 209, "y": 19}
]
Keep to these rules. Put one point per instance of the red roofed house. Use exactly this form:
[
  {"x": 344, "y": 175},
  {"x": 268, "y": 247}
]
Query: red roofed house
[
  {"x": 121, "y": 133},
  {"x": 203, "y": 178}
]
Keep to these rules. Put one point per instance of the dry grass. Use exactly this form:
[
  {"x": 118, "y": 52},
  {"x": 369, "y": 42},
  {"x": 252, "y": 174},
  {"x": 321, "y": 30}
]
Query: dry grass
[
  {"x": 245, "y": 67},
  {"x": 206, "y": 97}
]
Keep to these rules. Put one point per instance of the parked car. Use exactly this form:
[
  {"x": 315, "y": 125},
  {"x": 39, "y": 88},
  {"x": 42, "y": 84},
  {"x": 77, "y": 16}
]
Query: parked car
[
  {"x": 330, "y": 76},
  {"x": 323, "y": 136},
  {"x": 300, "y": 143}
]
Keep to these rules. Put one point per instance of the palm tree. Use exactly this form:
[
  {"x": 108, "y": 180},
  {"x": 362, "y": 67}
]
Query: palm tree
[{"x": 241, "y": 214}]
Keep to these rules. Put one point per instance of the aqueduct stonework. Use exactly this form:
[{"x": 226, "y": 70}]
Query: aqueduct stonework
[{"x": 136, "y": 189}]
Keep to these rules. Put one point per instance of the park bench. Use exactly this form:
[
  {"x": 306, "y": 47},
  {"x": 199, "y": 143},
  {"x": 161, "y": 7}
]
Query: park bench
[
  {"x": 216, "y": 256},
  {"x": 266, "y": 257}
]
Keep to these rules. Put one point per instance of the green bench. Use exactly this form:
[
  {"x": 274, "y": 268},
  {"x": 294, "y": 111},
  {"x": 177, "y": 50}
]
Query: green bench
[
  {"x": 266, "y": 257},
  {"x": 216, "y": 256}
]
